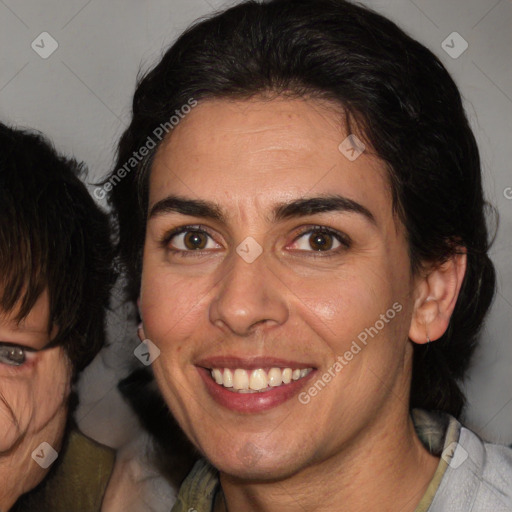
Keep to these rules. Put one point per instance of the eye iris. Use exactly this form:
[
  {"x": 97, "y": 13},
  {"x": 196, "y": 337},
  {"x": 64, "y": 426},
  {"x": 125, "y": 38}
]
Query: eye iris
[
  {"x": 12, "y": 355},
  {"x": 320, "y": 241},
  {"x": 195, "y": 240}
]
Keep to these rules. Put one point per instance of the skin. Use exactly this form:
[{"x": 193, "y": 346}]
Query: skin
[
  {"x": 33, "y": 401},
  {"x": 353, "y": 446}
]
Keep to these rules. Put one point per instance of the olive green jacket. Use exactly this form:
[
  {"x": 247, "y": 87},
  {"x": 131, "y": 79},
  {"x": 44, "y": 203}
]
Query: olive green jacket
[{"x": 76, "y": 483}]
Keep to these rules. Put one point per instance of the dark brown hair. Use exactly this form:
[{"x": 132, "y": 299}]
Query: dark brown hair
[{"x": 53, "y": 237}]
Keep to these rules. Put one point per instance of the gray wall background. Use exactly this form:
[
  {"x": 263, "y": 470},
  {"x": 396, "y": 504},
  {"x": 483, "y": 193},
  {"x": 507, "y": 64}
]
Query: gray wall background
[{"x": 80, "y": 96}]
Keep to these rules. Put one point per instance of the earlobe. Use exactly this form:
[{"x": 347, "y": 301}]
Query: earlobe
[
  {"x": 140, "y": 332},
  {"x": 139, "y": 310},
  {"x": 140, "y": 327},
  {"x": 437, "y": 295}
]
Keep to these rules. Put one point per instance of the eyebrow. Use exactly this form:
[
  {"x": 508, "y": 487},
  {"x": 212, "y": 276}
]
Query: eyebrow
[
  {"x": 321, "y": 204},
  {"x": 193, "y": 207},
  {"x": 293, "y": 209},
  {"x": 24, "y": 347}
]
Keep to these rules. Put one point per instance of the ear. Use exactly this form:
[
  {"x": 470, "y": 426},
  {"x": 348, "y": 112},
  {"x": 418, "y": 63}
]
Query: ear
[
  {"x": 140, "y": 332},
  {"x": 140, "y": 327},
  {"x": 436, "y": 295}
]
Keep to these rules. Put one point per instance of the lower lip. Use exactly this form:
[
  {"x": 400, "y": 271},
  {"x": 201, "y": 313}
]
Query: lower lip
[{"x": 252, "y": 402}]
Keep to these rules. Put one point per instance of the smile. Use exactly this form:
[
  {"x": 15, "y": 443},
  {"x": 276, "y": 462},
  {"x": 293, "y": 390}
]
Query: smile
[
  {"x": 259, "y": 380},
  {"x": 250, "y": 385}
]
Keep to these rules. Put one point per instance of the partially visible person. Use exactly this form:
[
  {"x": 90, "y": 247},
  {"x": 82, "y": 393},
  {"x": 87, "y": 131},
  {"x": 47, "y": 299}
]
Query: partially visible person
[{"x": 55, "y": 280}]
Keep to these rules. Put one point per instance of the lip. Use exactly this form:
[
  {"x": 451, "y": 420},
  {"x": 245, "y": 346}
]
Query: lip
[
  {"x": 251, "y": 403},
  {"x": 251, "y": 363}
]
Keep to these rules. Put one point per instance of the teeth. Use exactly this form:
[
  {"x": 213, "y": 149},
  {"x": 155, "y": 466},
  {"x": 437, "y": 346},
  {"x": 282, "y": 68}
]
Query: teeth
[
  {"x": 275, "y": 377},
  {"x": 228, "y": 379},
  {"x": 217, "y": 375},
  {"x": 247, "y": 381},
  {"x": 258, "y": 380},
  {"x": 240, "y": 379}
]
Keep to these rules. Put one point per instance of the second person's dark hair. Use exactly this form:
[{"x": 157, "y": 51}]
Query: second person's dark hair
[{"x": 54, "y": 238}]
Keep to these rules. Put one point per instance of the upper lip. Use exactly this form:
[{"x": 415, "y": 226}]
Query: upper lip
[{"x": 250, "y": 363}]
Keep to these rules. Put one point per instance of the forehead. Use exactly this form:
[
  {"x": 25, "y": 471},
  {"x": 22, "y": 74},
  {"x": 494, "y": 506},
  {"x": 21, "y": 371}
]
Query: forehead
[
  {"x": 33, "y": 326},
  {"x": 255, "y": 152}
]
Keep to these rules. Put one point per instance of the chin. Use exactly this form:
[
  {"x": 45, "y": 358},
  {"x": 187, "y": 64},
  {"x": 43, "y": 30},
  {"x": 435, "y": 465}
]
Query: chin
[{"x": 249, "y": 464}]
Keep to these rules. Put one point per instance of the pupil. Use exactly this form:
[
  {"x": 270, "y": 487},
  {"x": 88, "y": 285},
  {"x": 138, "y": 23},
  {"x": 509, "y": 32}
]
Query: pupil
[
  {"x": 195, "y": 240},
  {"x": 320, "y": 242}
]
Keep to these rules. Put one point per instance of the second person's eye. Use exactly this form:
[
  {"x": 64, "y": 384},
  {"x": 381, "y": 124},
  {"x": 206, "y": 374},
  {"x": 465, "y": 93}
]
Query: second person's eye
[{"x": 12, "y": 355}]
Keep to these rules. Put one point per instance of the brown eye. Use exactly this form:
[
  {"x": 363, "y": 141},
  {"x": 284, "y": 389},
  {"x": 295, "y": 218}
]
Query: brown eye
[
  {"x": 321, "y": 241},
  {"x": 189, "y": 240},
  {"x": 195, "y": 240}
]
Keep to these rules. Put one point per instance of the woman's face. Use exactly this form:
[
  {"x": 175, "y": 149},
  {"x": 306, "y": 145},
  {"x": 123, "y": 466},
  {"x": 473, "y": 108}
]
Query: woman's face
[
  {"x": 34, "y": 387},
  {"x": 287, "y": 258}
]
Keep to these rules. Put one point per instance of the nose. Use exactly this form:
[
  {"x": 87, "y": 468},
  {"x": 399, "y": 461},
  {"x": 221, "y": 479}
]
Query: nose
[{"x": 249, "y": 295}]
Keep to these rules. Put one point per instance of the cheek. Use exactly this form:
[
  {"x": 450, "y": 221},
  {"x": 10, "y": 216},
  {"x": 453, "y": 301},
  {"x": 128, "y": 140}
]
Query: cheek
[
  {"x": 341, "y": 306},
  {"x": 16, "y": 405},
  {"x": 172, "y": 306},
  {"x": 51, "y": 387},
  {"x": 32, "y": 398},
  {"x": 359, "y": 315}
]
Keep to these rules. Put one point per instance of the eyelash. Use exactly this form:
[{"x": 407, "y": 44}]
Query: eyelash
[{"x": 343, "y": 239}]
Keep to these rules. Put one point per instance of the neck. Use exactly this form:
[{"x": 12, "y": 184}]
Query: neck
[
  {"x": 388, "y": 470},
  {"x": 15, "y": 478}
]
